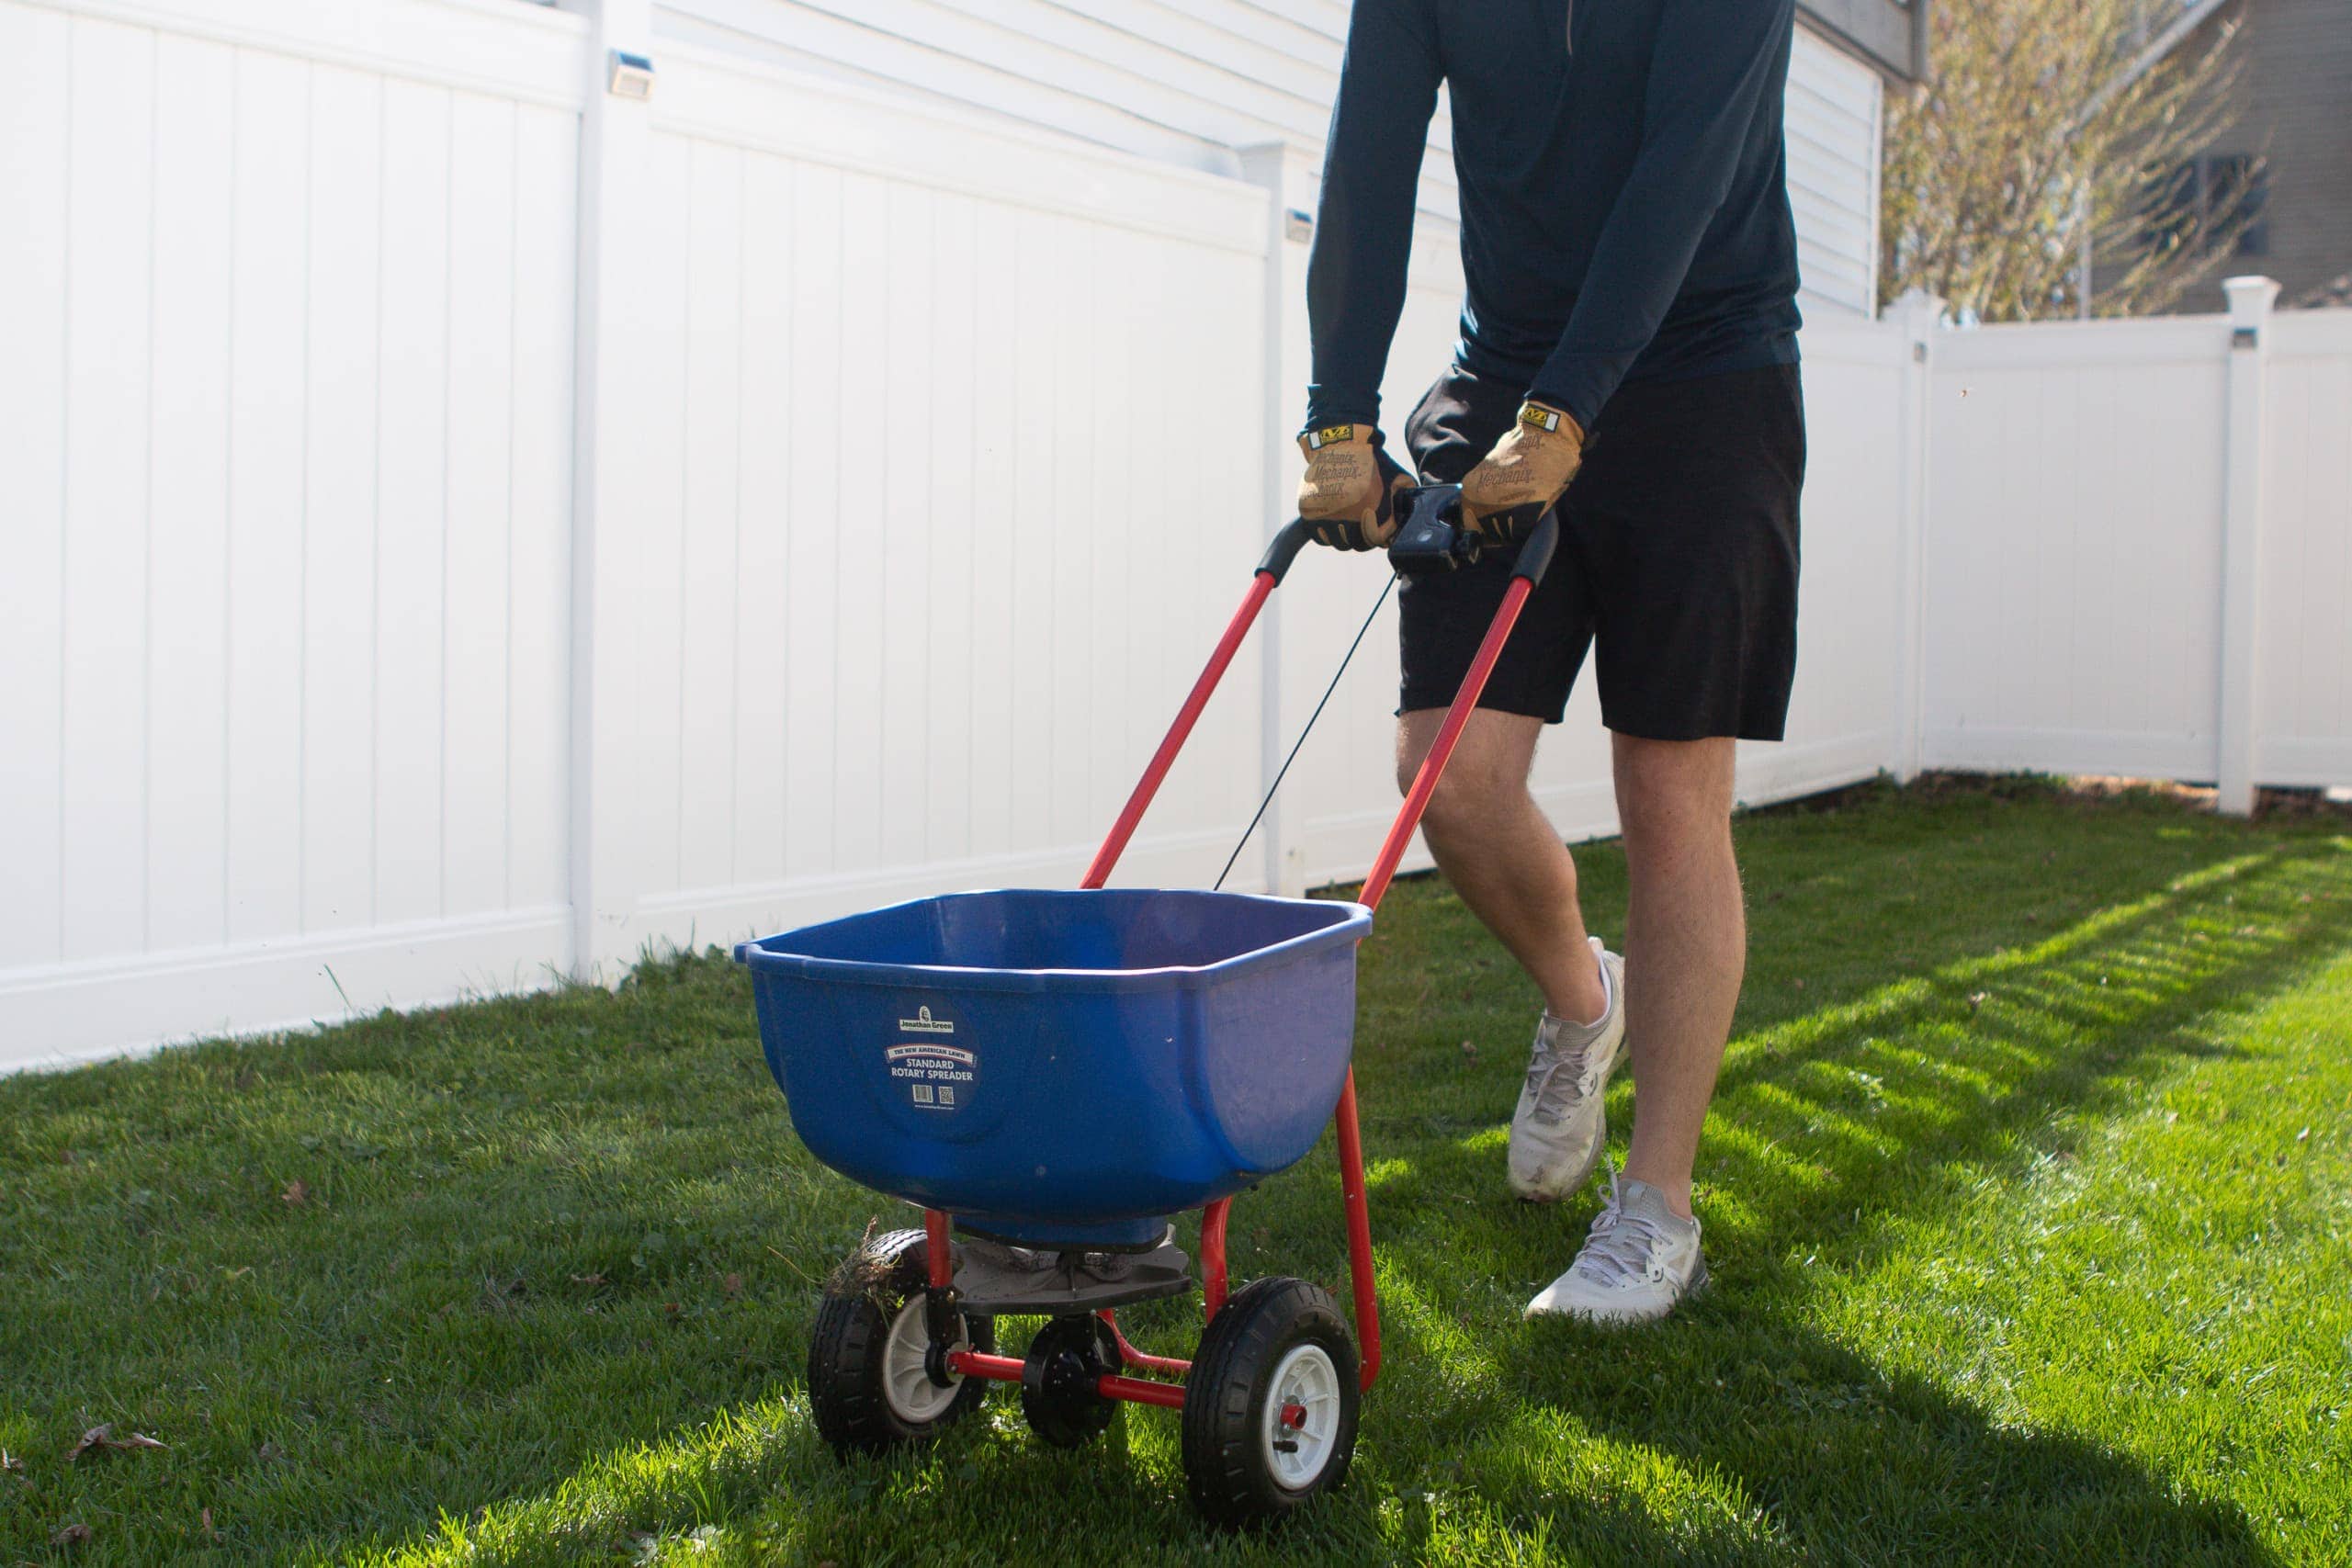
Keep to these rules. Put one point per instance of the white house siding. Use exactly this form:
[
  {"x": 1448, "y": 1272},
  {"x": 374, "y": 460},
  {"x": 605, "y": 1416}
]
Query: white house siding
[
  {"x": 1193, "y": 83},
  {"x": 1834, "y": 113}
]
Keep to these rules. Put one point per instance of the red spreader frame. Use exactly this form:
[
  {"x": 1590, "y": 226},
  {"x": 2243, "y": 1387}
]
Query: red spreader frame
[{"x": 1534, "y": 556}]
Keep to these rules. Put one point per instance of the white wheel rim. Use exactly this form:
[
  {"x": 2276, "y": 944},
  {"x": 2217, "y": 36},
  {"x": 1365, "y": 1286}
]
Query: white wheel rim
[
  {"x": 907, "y": 1387},
  {"x": 1302, "y": 1414}
]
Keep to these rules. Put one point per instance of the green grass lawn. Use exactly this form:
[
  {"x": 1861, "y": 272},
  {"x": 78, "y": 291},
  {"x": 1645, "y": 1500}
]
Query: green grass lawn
[{"x": 2028, "y": 1197}]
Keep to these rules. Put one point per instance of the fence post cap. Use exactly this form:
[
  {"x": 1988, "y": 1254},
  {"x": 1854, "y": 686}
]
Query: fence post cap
[
  {"x": 1918, "y": 305},
  {"x": 2250, "y": 297}
]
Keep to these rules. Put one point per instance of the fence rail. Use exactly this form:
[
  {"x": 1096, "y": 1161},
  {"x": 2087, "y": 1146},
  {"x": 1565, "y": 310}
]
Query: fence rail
[{"x": 465, "y": 529}]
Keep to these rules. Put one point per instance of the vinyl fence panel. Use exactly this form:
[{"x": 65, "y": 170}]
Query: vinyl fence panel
[
  {"x": 2074, "y": 548},
  {"x": 292, "y": 410},
  {"x": 956, "y": 469}
]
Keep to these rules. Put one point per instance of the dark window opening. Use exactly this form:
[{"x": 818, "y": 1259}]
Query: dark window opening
[{"x": 2208, "y": 199}]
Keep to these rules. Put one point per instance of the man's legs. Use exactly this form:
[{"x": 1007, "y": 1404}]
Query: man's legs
[
  {"x": 1500, "y": 852},
  {"x": 1685, "y": 946},
  {"x": 1686, "y": 934}
]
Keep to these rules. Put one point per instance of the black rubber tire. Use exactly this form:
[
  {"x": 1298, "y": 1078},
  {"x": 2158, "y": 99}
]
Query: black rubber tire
[
  {"x": 845, "y": 1349},
  {"x": 1226, "y": 1469},
  {"x": 1065, "y": 1417}
]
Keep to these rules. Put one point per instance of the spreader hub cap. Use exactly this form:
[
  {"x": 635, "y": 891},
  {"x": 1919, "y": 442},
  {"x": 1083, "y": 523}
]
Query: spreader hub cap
[
  {"x": 906, "y": 1379},
  {"x": 1300, "y": 1428}
]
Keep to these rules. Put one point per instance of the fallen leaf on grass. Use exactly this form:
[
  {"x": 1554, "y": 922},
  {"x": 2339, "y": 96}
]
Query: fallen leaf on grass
[
  {"x": 72, "y": 1535},
  {"x": 206, "y": 1517},
  {"x": 734, "y": 1284},
  {"x": 99, "y": 1439},
  {"x": 587, "y": 1279},
  {"x": 295, "y": 1193},
  {"x": 1469, "y": 1051},
  {"x": 10, "y": 1463}
]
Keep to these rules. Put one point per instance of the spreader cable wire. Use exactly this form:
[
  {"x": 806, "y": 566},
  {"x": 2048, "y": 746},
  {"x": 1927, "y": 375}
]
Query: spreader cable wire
[{"x": 1284, "y": 770}]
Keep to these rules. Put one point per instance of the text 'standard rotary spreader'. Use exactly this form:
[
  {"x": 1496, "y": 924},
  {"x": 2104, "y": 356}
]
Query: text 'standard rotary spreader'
[{"x": 1050, "y": 1076}]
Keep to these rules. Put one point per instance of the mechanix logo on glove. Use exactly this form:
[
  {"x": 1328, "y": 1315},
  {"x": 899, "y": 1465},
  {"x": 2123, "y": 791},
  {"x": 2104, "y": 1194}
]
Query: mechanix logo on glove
[
  {"x": 1348, "y": 493},
  {"x": 1506, "y": 494}
]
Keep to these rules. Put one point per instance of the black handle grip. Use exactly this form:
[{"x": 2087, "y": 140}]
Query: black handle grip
[
  {"x": 1536, "y": 551},
  {"x": 1296, "y": 537}
]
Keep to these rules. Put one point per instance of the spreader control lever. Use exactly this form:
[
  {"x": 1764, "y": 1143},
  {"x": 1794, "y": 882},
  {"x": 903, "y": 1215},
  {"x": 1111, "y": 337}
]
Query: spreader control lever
[{"x": 1432, "y": 537}]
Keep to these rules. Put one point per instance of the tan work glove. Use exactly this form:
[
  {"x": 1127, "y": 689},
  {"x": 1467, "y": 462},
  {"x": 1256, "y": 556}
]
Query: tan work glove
[
  {"x": 1350, "y": 490},
  {"x": 1506, "y": 494}
]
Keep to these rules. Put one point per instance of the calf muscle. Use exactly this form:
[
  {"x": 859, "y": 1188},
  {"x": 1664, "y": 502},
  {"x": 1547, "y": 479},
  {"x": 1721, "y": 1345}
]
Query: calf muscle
[{"x": 1499, "y": 852}]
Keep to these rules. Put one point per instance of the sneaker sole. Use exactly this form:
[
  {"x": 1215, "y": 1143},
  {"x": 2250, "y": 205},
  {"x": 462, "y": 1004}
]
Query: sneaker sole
[
  {"x": 1696, "y": 1288},
  {"x": 1565, "y": 1189}
]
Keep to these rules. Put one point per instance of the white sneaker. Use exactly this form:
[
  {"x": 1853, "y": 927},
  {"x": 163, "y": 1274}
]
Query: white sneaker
[
  {"x": 1640, "y": 1259},
  {"x": 1556, "y": 1134}
]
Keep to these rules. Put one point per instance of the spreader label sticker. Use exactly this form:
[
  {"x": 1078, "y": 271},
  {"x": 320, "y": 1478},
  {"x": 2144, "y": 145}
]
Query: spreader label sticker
[{"x": 938, "y": 1076}]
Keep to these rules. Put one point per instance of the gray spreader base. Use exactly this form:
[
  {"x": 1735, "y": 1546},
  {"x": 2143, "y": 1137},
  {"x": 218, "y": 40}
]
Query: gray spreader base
[{"x": 1075, "y": 1282}]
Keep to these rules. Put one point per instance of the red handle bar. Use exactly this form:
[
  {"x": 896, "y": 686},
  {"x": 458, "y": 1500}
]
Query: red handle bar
[{"x": 1534, "y": 558}]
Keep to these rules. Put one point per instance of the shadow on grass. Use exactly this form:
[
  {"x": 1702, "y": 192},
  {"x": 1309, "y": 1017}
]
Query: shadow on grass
[
  {"x": 1892, "y": 1103},
  {"x": 1915, "y": 1094}
]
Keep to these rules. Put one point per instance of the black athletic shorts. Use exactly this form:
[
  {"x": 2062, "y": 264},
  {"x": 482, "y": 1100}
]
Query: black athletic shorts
[{"x": 1678, "y": 557}]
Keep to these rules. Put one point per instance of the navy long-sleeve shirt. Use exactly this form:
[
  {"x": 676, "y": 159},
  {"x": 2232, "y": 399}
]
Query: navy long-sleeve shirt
[{"x": 1624, "y": 196}]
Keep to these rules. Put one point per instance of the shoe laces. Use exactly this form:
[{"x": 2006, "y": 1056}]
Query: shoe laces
[
  {"x": 1622, "y": 1249},
  {"x": 1550, "y": 1059},
  {"x": 1567, "y": 1068}
]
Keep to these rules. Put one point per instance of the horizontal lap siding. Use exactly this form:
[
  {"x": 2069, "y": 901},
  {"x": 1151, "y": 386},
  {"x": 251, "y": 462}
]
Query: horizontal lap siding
[
  {"x": 285, "y": 390},
  {"x": 1189, "y": 83},
  {"x": 1833, "y": 120}
]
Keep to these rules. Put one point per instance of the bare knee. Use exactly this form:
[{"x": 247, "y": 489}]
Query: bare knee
[
  {"x": 1484, "y": 778},
  {"x": 1672, "y": 796},
  {"x": 1473, "y": 791}
]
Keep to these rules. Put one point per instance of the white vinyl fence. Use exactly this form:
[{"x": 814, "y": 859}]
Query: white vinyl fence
[
  {"x": 464, "y": 528},
  {"x": 286, "y": 407},
  {"x": 2138, "y": 548}
]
